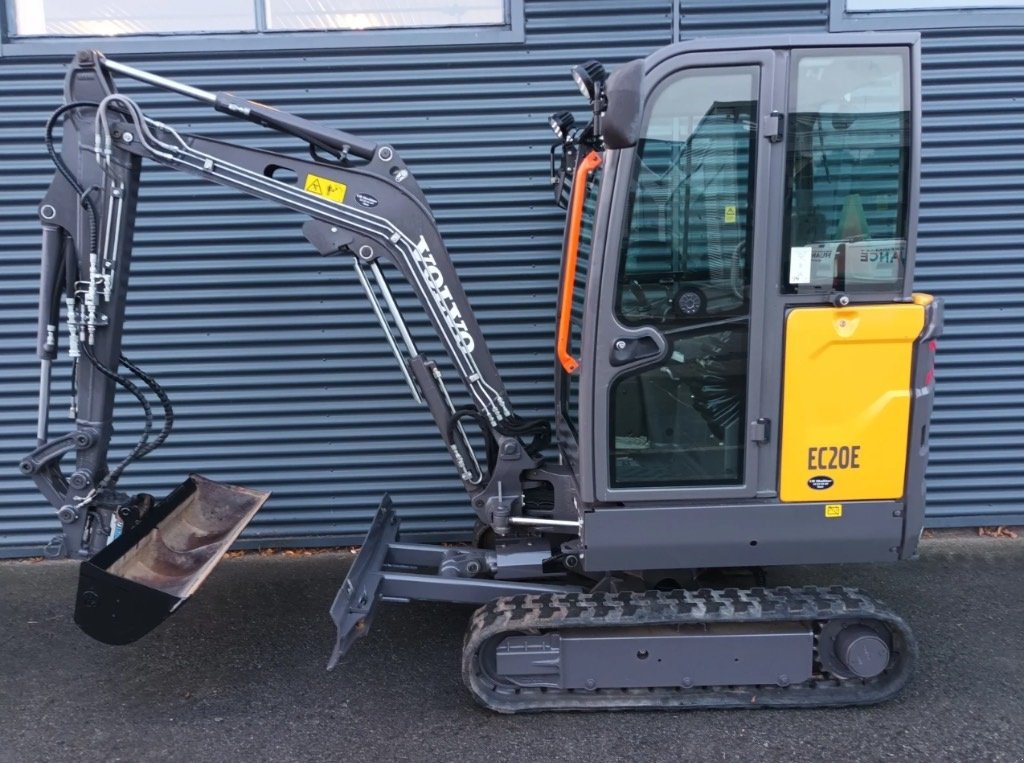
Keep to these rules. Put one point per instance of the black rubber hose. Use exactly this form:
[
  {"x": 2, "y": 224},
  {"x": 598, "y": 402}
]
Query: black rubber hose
[
  {"x": 70, "y": 271},
  {"x": 538, "y": 429},
  {"x": 65, "y": 171},
  {"x": 489, "y": 442},
  {"x": 143, "y": 446},
  {"x": 140, "y": 447},
  {"x": 165, "y": 401}
]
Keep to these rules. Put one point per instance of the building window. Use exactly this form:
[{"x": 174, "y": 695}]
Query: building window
[
  {"x": 374, "y": 14},
  {"x": 856, "y": 15},
  {"x": 874, "y": 6},
  {"x": 73, "y": 18},
  {"x": 60, "y": 27}
]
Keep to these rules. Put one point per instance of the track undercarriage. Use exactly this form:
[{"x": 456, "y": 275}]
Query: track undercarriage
[
  {"x": 542, "y": 646},
  {"x": 776, "y": 647}
]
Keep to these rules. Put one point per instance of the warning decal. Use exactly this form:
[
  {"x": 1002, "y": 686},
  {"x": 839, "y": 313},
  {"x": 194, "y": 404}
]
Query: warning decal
[
  {"x": 329, "y": 189},
  {"x": 730, "y": 214}
]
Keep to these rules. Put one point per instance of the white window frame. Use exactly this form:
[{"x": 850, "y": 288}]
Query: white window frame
[
  {"x": 867, "y": 15},
  {"x": 511, "y": 32}
]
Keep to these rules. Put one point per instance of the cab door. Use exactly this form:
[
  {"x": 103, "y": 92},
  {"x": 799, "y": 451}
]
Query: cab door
[{"x": 677, "y": 352}]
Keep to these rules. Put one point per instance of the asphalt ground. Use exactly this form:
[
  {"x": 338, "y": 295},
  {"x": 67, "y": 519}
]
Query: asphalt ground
[{"x": 238, "y": 674}]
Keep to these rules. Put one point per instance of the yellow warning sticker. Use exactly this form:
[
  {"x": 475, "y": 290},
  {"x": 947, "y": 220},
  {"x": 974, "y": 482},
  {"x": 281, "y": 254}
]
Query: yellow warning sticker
[
  {"x": 730, "y": 214},
  {"x": 329, "y": 189},
  {"x": 833, "y": 510}
]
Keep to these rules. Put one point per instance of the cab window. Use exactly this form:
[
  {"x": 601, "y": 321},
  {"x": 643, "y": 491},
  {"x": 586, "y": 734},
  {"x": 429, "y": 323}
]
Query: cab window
[
  {"x": 847, "y": 165},
  {"x": 685, "y": 270}
]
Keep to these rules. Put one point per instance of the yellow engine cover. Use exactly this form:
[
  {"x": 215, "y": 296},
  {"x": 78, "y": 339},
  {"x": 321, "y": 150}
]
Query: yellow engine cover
[{"x": 846, "y": 401}]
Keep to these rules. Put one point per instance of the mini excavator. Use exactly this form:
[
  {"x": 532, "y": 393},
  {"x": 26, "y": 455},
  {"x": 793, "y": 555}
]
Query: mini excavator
[{"x": 743, "y": 377}]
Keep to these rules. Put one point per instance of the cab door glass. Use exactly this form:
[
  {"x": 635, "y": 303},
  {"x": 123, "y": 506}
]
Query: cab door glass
[
  {"x": 685, "y": 270},
  {"x": 847, "y": 166}
]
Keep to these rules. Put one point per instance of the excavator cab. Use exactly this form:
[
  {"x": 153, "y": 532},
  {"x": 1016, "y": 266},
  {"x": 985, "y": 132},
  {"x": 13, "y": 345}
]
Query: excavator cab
[
  {"x": 743, "y": 376},
  {"x": 745, "y": 257},
  {"x": 766, "y": 185}
]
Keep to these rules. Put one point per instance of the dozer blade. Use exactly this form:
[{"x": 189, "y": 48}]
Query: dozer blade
[{"x": 136, "y": 582}]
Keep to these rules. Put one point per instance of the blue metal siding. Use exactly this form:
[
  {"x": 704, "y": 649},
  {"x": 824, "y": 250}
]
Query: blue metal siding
[
  {"x": 971, "y": 250},
  {"x": 699, "y": 18},
  {"x": 279, "y": 373}
]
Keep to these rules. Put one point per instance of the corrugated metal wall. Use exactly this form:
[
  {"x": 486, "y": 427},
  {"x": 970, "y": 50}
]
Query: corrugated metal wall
[{"x": 279, "y": 374}]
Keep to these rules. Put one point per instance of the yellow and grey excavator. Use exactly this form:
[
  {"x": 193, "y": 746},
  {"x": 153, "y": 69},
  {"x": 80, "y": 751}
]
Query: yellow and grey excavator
[{"x": 743, "y": 377}]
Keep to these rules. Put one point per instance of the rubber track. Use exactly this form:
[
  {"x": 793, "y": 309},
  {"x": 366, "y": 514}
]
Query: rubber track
[{"x": 573, "y": 611}]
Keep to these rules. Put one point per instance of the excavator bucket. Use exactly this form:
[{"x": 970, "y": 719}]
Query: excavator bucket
[{"x": 136, "y": 582}]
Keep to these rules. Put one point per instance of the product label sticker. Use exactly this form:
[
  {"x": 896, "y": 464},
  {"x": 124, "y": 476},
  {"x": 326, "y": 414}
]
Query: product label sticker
[
  {"x": 820, "y": 482},
  {"x": 833, "y": 510},
  {"x": 800, "y": 264},
  {"x": 329, "y": 189},
  {"x": 823, "y": 263}
]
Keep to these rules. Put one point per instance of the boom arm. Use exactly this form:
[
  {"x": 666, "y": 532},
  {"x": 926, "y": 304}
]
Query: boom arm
[{"x": 88, "y": 216}]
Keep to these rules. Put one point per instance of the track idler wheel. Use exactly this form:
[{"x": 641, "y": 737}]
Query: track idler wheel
[{"x": 854, "y": 650}]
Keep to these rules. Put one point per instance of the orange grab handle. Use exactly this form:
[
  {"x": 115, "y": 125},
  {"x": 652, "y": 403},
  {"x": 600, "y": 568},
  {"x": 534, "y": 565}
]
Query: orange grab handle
[{"x": 579, "y": 191}]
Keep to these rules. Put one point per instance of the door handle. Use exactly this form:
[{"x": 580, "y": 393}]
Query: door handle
[{"x": 630, "y": 350}]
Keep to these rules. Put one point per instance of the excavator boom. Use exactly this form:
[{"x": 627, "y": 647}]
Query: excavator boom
[{"x": 106, "y": 137}]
